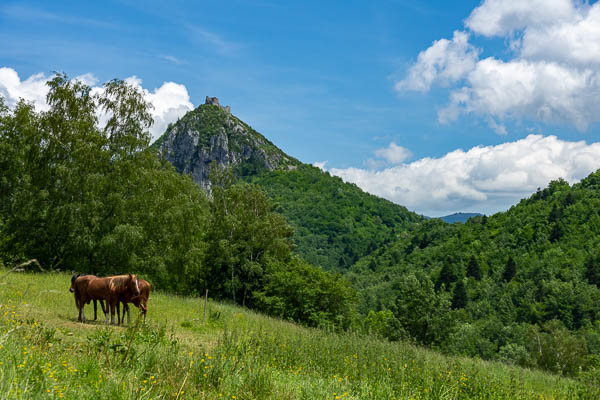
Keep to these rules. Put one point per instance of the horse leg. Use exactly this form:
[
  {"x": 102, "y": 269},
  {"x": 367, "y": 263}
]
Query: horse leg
[
  {"x": 105, "y": 311},
  {"x": 95, "y": 310},
  {"x": 144, "y": 307},
  {"x": 82, "y": 313},
  {"x": 77, "y": 302},
  {"x": 112, "y": 312},
  {"x": 77, "y": 305},
  {"x": 118, "y": 312},
  {"x": 126, "y": 308}
]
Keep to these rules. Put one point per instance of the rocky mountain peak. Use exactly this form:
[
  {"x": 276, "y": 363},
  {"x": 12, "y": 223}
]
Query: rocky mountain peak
[{"x": 211, "y": 133}]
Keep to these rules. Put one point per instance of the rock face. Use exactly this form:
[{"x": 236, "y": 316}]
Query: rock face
[{"x": 211, "y": 133}]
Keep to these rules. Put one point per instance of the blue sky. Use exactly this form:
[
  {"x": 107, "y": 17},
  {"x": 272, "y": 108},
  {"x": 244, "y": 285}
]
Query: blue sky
[{"x": 412, "y": 100}]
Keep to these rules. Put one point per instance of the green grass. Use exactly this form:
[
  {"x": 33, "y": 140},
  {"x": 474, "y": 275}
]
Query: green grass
[{"x": 237, "y": 354}]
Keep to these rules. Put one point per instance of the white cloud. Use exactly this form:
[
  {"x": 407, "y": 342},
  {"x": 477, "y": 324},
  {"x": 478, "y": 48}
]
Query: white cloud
[
  {"x": 445, "y": 62},
  {"x": 32, "y": 89},
  {"x": 391, "y": 155},
  {"x": 320, "y": 164},
  {"x": 575, "y": 41},
  {"x": 521, "y": 89},
  {"x": 502, "y": 17},
  {"x": 172, "y": 59},
  {"x": 87, "y": 79},
  {"x": 170, "y": 100},
  {"x": 482, "y": 179},
  {"x": 552, "y": 77}
]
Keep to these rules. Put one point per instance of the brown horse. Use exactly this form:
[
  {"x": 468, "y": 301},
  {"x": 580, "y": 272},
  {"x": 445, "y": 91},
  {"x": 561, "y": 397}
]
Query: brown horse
[
  {"x": 107, "y": 289},
  {"x": 87, "y": 288},
  {"x": 75, "y": 290},
  {"x": 140, "y": 301},
  {"x": 121, "y": 286}
]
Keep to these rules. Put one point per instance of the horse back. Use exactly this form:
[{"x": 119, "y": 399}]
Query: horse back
[
  {"x": 99, "y": 288},
  {"x": 80, "y": 286}
]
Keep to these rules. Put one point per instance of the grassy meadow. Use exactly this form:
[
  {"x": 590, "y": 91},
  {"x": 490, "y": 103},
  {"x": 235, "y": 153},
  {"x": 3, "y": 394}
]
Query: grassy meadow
[{"x": 45, "y": 353}]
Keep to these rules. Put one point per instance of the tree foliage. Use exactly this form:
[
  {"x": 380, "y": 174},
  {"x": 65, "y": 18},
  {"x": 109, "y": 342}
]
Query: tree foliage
[
  {"x": 81, "y": 191},
  {"x": 335, "y": 223},
  {"x": 526, "y": 267}
]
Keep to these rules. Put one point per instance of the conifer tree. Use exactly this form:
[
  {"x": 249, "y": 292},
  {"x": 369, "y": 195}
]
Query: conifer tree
[
  {"x": 459, "y": 299},
  {"x": 592, "y": 270},
  {"x": 473, "y": 268},
  {"x": 447, "y": 276},
  {"x": 510, "y": 270}
]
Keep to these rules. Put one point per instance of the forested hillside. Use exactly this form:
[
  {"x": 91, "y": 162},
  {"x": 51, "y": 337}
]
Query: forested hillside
[
  {"x": 521, "y": 285},
  {"x": 335, "y": 223}
]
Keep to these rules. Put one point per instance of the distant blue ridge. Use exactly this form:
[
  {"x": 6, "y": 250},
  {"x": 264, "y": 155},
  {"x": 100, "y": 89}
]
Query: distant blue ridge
[{"x": 458, "y": 217}]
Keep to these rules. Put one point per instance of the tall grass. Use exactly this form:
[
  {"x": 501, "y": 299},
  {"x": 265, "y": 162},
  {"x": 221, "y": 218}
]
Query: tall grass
[{"x": 236, "y": 354}]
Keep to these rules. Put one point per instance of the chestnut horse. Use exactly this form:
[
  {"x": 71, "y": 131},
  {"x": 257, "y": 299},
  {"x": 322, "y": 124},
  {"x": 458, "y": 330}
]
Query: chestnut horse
[
  {"x": 107, "y": 289},
  {"x": 79, "y": 284},
  {"x": 140, "y": 301},
  {"x": 122, "y": 286}
]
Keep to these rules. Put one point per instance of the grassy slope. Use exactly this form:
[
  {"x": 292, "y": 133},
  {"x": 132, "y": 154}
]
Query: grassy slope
[{"x": 46, "y": 353}]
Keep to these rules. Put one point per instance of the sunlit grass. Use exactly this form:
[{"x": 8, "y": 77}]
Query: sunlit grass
[{"x": 235, "y": 354}]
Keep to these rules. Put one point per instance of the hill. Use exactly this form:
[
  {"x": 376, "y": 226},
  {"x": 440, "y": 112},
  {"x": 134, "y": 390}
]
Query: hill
[
  {"x": 335, "y": 223},
  {"x": 459, "y": 217},
  {"x": 211, "y": 133},
  {"x": 502, "y": 281},
  {"x": 236, "y": 354}
]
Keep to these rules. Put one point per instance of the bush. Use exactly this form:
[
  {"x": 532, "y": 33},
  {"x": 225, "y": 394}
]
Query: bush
[{"x": 300, "y": 292}]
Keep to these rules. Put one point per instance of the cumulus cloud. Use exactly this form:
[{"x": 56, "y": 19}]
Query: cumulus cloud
[
  {"x": 501, "y": 17},
  {"x": 552, "y": 75},
  {"x": 170, "y": 100},
  {"x": 32, "y": 89},
  {"x": 391, "y": 155},
  {"x": 445, "y": 62},
  {"x": 521, "y": 89},
  {"x": 483, "y": 179}
]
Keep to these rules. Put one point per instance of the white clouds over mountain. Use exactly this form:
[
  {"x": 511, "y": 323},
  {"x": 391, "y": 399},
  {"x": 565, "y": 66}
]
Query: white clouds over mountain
[
  {"x": 482, "y": 179},
  {"x": 553, "y": 75},
  {"x": 170, "y": 100}
]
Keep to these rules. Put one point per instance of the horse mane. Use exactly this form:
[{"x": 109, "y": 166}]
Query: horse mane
[{"x": 118, "y": 281}]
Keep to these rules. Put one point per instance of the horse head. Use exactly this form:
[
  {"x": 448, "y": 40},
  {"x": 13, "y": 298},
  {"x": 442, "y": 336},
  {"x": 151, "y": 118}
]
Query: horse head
[
  {"x": 73, "y": 278},
  {"x": 133, "y": 284}
]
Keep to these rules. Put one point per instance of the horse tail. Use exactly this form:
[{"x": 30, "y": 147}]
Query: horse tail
[{"x": 76, "y": 294}]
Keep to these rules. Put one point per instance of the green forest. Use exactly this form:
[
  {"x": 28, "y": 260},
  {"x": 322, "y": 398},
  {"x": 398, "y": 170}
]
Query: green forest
[
  {"x": 520, "y": 286},
  {"x": 88, "y": 194},
  {"x": 335, "y": 223}
]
